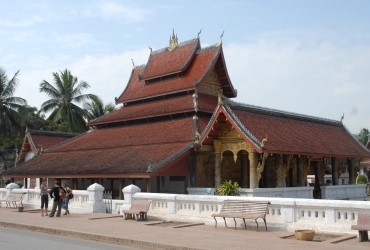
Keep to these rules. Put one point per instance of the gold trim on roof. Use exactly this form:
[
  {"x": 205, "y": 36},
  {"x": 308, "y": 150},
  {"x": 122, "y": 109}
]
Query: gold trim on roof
[
  {"x": 220, "y": 43},
  {"x": 174, "y": 42}
]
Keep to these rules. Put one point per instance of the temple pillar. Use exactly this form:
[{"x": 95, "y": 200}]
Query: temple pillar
[
  {"x": 244, "y": 169},
  {"x": 75, "y": 183},
  {"x": 279, "y": 171},
  {"x": 351, "y": 171},
  {"x": 148, "y": 185},
  {"x": 253, "y": 163},
  {"x": 158, "y": 183},
  {"x": 186, "y": 183},
  {"x": 293, "y": 172},
  {"x": 334, "y": 171},
  {"x": 317, "y": 189},
  {"x": 121, "y": 184},
  {"x": 217, "y": 149},
  {"x": 286, "y": 166}
]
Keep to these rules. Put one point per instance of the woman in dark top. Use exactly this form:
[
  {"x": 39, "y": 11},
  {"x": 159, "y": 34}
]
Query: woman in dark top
[{"x": 58, "y": 193}]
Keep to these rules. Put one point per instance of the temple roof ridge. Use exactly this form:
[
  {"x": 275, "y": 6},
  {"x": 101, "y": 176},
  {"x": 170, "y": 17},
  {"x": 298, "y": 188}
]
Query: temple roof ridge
[
  {"x": 158, "y": 51},
  {"x": 51, "y": 133},
  {"x": 280, "y": 113}
]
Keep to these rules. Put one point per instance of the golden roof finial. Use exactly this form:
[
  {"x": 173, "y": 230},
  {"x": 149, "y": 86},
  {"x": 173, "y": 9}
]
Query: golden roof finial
[
  {"x": 341, "y": 119},
  {"x": 198, "y": 36},
  {"x": 133, "y": 64},
  {"x": 173, "y": 42},
  {"x": 151, "y": 50},
  {"x": 220, "y": 43},
  {"x": 263, "y": 142}
]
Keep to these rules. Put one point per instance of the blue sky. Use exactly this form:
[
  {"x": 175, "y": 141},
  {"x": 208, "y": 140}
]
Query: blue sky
[{"x": 309, "y": 57}]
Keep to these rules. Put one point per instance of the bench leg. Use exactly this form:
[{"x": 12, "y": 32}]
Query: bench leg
[
  {"x": 256, "y": 223},
  {"x": 235, "y": 223},
  {"x": 363, "y": 236},
  {"x": 245, "y": 225},
  {"x": 264, "y": 220},
  {"x": 215, "y": 222},
  {"x": 225, "y": 221}
]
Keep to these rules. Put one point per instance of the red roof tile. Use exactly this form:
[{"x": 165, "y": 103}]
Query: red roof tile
[
  {"x": 295, "y": 134},
  {"x": 48, "y": 141},
  {"x": 114, "y": 150},
  {"x": 157, "y": 108},
  {"x": 164, "y": 62},
  {"x": 137, "y": 89},
  {"x": 99, "y": 161},
  {"x": 173, "y": 131}
]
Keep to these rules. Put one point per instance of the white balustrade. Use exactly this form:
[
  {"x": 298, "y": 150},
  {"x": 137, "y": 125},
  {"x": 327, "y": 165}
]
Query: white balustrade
[{"x": 282, "y": 213}]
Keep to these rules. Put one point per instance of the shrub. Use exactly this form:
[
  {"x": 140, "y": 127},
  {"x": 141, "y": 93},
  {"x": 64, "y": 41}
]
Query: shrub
[
  {"x": 228, "y": 188},
  {"x": 361, "y": 179}
]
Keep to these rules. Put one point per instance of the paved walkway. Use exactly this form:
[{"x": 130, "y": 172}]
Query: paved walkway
[{"x": 140, "y": 235}]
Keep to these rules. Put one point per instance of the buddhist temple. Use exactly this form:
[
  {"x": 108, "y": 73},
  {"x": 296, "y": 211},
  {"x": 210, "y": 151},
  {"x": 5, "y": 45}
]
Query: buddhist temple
[{"x": 178, "y": 127}]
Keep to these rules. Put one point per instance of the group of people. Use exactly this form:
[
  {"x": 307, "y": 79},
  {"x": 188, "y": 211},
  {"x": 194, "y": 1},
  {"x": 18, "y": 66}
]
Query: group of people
[{"x": 60, "y": 194}]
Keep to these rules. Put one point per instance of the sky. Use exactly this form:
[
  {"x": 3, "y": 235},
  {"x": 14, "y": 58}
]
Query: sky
[{"x": 310, "y": 57}]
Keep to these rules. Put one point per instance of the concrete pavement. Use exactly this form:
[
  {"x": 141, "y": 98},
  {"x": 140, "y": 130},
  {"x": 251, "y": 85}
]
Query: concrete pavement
[{"x": 110, "y": 228}]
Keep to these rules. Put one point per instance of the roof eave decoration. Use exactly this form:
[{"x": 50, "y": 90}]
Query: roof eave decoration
[
  {"x": 174, "y": 42},
  {"x": 154, "y": 167},
  {"x": 256, "y": 144},
  {"x": 220, "y": 43}
]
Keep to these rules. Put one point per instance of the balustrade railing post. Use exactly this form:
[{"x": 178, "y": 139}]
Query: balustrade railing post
[{"x": 128, "y": 192}]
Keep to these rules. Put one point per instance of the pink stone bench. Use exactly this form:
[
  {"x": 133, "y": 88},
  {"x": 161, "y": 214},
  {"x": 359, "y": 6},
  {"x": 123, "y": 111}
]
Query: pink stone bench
[
  {"x": 138, "y": 210},
  {"x": 363, "y": 225}
]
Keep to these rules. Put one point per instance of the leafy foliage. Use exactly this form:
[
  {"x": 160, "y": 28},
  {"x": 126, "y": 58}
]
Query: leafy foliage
[
  {"x": 64, "y": 93},
  {"x": 361, "y": 179},
  {"x": 229, "y": 188},
  {"x": 363, "y": 136},
  {"x": 96, "y": 108},
  {"x": 11, "y": 107}
]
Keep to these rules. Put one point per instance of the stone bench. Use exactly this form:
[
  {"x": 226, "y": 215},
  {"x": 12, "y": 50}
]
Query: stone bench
[
  {"x": 138, "y": 210},
  {"x": 12, "y": 199},
  {"x": 243, "y": 210},
  {"x": 363, "y": 225}
]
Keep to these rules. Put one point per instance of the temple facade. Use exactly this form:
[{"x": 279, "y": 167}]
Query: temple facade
[{"x": 178, "y": 128}]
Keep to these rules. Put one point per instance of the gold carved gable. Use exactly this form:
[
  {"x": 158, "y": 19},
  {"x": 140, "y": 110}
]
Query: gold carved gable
[
  {"x": 229, "y": 132},
  {"x": 211, "y": 85}
]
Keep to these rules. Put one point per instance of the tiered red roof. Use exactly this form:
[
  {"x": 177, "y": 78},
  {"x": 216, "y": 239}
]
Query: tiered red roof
[
  {"x": 180, "y": 104},
  {"x": 137, "y": 89},
  {"x": 164, "y": 62},
  {"x": 127, "y": 149}
]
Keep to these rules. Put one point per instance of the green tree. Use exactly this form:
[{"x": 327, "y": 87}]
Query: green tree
[
  {"x": 64, "y": 93},
  {"x": 96, "y": 108},
  {"x": 11, "y": 107},
  {"x": 363, "y": 136}
]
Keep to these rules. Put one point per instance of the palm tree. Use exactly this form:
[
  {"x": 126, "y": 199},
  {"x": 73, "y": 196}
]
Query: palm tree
[
  {"x": 64, "y": 93},
  {"x": 363, "y": 136},
  {"x": 96, "y": 108},
  {"x": 11, "y": 107}
]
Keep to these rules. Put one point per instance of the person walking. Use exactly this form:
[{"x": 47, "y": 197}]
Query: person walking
[
  {"x": 58, "y": 193},
  {"x": 68, "y": 196},
  {"x": 44, "y": 197}
]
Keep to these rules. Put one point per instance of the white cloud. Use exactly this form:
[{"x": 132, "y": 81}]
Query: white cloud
[
  {"x": 322, "y": 79},
  {"x": 123, "y": 13}
]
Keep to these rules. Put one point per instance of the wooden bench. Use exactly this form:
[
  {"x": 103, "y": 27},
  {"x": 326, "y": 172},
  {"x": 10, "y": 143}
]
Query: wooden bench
[
  {"x": 244, "y": 210},
  {"x": 138, "y": 210},
  {"x": 12, "y": 199},
  {"x": 363, "y": 225}
]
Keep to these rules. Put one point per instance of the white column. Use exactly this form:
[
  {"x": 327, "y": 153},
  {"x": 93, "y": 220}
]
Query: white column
[
  {"x": 95, "y": 203},
  {"x": 10, "y": 187},
  {"x": 128, "y": 192}
]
